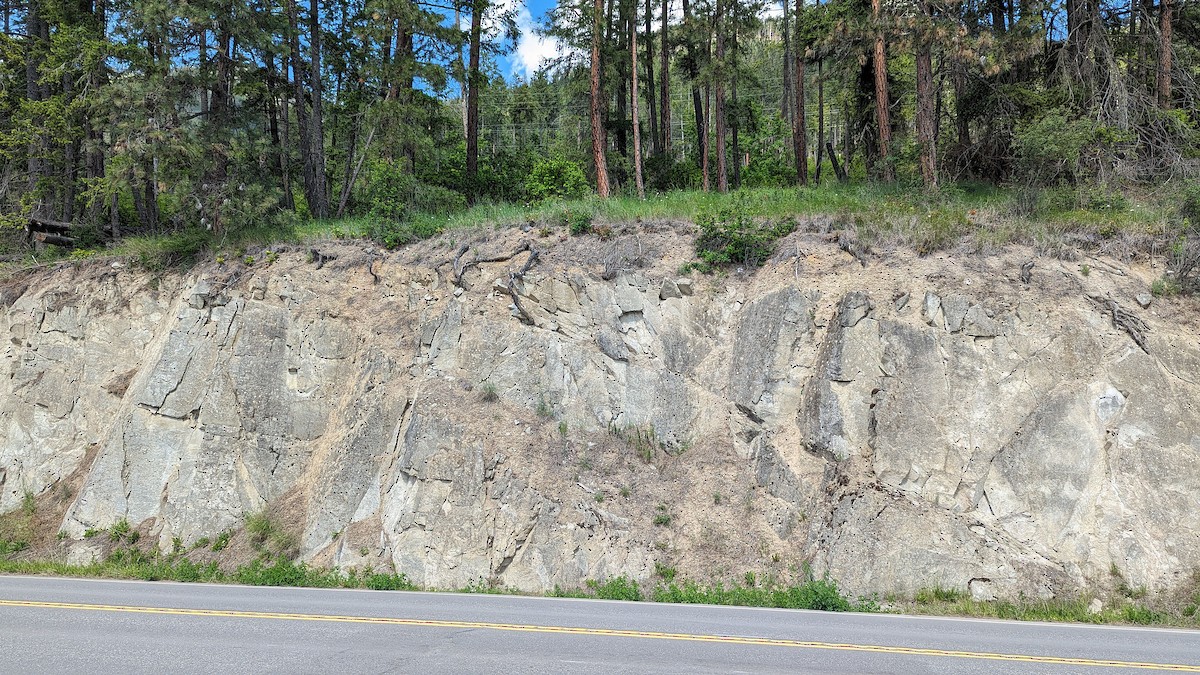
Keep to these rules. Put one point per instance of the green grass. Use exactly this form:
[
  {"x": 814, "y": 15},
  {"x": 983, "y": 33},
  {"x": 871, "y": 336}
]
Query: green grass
[
  {"x": 881, "y": 216},
  {"x": 133, "y": 563}
]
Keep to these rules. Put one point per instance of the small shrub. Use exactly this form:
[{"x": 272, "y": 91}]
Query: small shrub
[
  {"x": 487, "y": 393},
  {"x": 118, "y": 530},
  {"x": 619, "y": 588},
  {"x": 577, "y": 222},
  {"x": 556, "y": 179},
  {"x": 731, "y": 236},
  {"x": 664, "y": 572},
  {"x": 221, "y": 541}
]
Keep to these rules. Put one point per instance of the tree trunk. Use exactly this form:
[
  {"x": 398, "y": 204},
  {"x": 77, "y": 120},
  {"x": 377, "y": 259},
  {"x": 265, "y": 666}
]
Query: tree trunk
[
  {"x": 473, "y": 82},
  {"x": 594, "y": 111},
  {"x": 633, "y": 105},
  {"x": 302, "y": 135},
  {"x": 719, "y": 99},
  {"x": 34, "y": 50},
  {"x": 655, "y": 137},
  {"x": 820, "y": 118},
  {"x": 882, "y": 108},
  {"x": 785, "y": 106},
  {"x": 799, "y": 123},
  {"x": 697, "y": 101},
  {"x": 925, "y": 104},
  {"x": 316, "y": 127},
  {"x": 664, "y": 80},
  {"x": 1164, "y": 54}
]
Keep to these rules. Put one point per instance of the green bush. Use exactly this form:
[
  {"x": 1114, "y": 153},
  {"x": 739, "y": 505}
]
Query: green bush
[
  {"x": 555, "y": 179},
  {"x": 731, "y": 236},
  {"x": 618, "y": 588},
  {"x": 577, "y": 222}
]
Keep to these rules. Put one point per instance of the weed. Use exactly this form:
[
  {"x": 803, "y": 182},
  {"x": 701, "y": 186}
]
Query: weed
[
  {"x": 364, "y": 551},
  {"x": 28, "y": 503},
  {"x": 562, "y": 428},
  {"x": 664, "y": 572},
  {"x": 662, "y": 518},
  {"x": 938, "y": 593},
  {"x": 119, "y": 530},
  {"x": 487, "y": 393},
  {"x": 625, "y": 492},
  {"x": 717, "y": 498},
  {"x": 543, "y": 408},
  {"x": 618, "y": 588},
  {"x": 1085, "y": 270},
  {"x": 599, "y": 497},
  {"x": 222, "y": 541}
]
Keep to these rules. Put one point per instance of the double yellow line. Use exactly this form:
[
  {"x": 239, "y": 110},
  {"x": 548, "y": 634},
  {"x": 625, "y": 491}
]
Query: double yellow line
[{"x": 650, "y": 635}]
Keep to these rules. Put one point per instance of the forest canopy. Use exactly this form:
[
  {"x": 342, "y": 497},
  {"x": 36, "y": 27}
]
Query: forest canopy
[{"x": 147, "y": 116}]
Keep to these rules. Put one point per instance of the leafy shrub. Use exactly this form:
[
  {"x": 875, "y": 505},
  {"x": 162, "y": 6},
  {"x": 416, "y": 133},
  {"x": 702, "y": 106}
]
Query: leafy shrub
[
  {"x": 1061, "y": 146},
  {"x": 618, "y": 588},
  {"x": 555, "y": 179},
  {"x": 577, "y": 222},
  {"x": 395, "y": 195},
  {"x": 731, "y": 236}
]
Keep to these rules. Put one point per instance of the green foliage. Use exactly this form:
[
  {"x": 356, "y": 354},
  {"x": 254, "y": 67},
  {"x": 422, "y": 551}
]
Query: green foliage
[
  {"x": 1061, "y": 145},
  {"x": 269, "y": 536},
  {"x": 940, "y": 594},
  {"x": 577, "y": 221},
  {"x": 487, "y": 393},
  {"x": 664, "y": 572},
  {"x": 220, "y": 542},
  {"x": 617, "y": 588},
  {"x": 820, "y": 594},
  {"x": 731, "y": 236},
  {"x": 555, "y": 178}
]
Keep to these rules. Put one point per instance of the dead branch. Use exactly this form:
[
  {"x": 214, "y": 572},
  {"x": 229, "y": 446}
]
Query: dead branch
[
  {"x": 1125, "y": 320},
  {"x": 519, "y": 275},
  {"x": 459, "y": 272}
]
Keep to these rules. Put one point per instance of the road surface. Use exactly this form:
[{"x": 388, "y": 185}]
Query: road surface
[{"x": 50, "y": 625}]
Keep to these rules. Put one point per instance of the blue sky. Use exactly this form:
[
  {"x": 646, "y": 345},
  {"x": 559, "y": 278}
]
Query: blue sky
[{"x": 532, "y": 49}]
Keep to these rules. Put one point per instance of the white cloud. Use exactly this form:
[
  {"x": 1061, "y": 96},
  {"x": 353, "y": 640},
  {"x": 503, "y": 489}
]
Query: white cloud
[{"x": 533, "y": 50}]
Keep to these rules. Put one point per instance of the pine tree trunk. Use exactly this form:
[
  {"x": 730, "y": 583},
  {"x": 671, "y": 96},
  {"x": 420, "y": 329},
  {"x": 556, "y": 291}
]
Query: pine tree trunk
[
  {"x": 882, "y": 110},
  {"x": 633, "y": 104},
  {"x": 719, "y": 100},
  {"x": 820, "y": 118},
  {"x": 799, "y": 122},
  {"x": 1164, "y": 54},
  {"x": 925, "y": 105},
  {"x": 655, "y": 138},
  {"x": 598, "y": 154},
  {"x": 473, "y": 82},
  {"x": 664, "y": 81},
  {"x": 316, "y": 127},
  {"x": 697, "y": 102}
]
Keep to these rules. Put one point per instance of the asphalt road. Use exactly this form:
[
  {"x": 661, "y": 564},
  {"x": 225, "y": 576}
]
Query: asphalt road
[{"x": 50, "y": 625}]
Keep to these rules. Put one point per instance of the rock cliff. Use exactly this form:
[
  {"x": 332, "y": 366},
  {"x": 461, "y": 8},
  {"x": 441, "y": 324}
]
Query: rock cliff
[{"x": 917, "y": 422}]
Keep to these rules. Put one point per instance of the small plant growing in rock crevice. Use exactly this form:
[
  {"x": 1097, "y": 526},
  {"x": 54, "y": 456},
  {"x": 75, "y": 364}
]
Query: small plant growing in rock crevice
[{"x": 487, "y": 393}]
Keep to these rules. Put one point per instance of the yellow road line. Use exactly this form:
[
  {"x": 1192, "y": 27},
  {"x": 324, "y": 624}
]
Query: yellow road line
[{"x": 652, "y": 635}]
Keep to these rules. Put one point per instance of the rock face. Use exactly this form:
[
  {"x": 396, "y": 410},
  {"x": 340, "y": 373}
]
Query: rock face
[{"x": 993, "y": 437}]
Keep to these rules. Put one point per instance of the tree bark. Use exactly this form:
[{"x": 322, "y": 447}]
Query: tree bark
[
  {"x": 882, "y": 109},
  {"x": 1164, "y": 54},
  {"x": 719, "y": 98},
  {"x": 598, "y": 143},
  {"x": 316, "y": 127},
  {"x": 664, "y": 81},
  {"x": 473, "y": 81},
  {"x": 925, "y": 103},
  {"x": 820, "y": 118},
  {"x": 633, "y": 105},
  {"x": 655, "y": 137},
  {"x": 697, "y": 101},
  {"x": 799, "y": 123}
]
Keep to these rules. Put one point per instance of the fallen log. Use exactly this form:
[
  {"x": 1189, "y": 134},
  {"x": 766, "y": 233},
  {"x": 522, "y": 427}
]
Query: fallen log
[{"x": 56, "y": 239}]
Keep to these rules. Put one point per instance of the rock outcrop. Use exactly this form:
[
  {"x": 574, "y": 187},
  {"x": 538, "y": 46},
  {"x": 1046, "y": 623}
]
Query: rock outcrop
[{"x": 919, "y": 422}]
